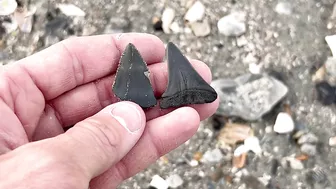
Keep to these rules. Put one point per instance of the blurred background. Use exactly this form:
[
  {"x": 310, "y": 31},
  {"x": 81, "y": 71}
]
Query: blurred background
[{"x": 271, "y": 65}]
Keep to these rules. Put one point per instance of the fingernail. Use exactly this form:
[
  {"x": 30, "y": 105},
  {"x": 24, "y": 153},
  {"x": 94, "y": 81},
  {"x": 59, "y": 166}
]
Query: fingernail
[{"x": 127, "y": 115}]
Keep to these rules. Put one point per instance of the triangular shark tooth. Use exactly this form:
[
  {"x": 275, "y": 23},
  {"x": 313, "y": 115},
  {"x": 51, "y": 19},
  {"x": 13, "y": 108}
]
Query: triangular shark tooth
[
  {"x": 185, "y": 85},
  {"x": 132, "y": 79}
]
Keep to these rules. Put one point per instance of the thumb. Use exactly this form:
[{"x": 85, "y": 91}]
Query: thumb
[{"x": 98, "y": 142}]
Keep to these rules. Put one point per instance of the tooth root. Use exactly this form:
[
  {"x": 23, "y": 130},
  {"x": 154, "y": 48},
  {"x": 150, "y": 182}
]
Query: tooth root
[
  {"x": 131, "y": 82},
  {"x": 185, "y": 85}
]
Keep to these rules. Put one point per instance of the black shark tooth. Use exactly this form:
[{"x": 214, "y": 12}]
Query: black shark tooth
[
  {"x": 185, "y": 85},
  {"x": 132, "y": 79}
]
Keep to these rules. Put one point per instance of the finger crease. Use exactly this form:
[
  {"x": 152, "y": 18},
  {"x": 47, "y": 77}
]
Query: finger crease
[
  {"x": 157, "y": 146},
  {"x": 98, "y": 95},
  {"x": 57, "y": 114},
  {"x": 77, "y": 66}
]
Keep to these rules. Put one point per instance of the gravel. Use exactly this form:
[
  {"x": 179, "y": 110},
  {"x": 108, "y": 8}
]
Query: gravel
[{"x": 290, "y": 45}]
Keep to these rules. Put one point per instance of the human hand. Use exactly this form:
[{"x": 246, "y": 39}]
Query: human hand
[{"x": 70, "y": 84}]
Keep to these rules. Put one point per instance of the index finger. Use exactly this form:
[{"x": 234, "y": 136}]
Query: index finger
[{"x": 81, "y": 60}]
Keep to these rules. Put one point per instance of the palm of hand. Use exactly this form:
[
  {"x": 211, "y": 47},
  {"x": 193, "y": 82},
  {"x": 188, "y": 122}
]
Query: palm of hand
[{"x": 72, "y": 80}]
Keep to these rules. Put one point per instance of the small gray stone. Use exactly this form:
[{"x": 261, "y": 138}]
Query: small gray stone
[
  {"x": 174, "y": 181},
  {"x": 232, "y": 24},
  {"x": 330, "y": 66},
  {"x": 168, "y": 16},
  {"x": 212, "y": 156},
  {"x": 89, "y": 30},
  {"x": 294, "y": 163},
  {"x": 118, "y": 25},
  {"x": 195, "y": 13},
  {"x": 308, "y": 138},
  {"x": 201, "y": 29},
  {"x": 249, "y": 96},
  {"x": 308, "y": 149}
]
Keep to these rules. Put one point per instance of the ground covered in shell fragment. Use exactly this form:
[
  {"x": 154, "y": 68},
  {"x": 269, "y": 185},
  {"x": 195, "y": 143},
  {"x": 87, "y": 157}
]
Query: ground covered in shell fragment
[{"x": 285, "y": 37}]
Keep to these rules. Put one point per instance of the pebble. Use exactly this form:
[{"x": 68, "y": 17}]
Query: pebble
[
  {"x": 317, "y": 175},
  {"x": 158, "y": 182},
  {"x": 330, "y": 70},
  {"x": 71, "y": 10},
  {"x": 25, "y": 19},
  {"x": 232, "y": 24},
  {"x": 240, "y": 150},
  {"x": 239, "y": 156},
  {"x": 284, "y": 8},
  {"x": 175, "y": 28},
  {"x": 157, "y": 23},
  {"x": 10, "y": 26},
  {"x": 308, "y": 138},
  {"x": 7, "y": 7},
  {"x": 294, "y": 163},
  {"x": 308, "y": 149},
  {"x": 193, "y": 163},
  {"x": 195, "y": 13},
  {"x": 268, "y": 129},
  {"x": 89, "y": 30},
  {"x": 168, "y": 16},
  {"x": 284, "y": 123},
  {"x": 252, "y": 143},
  {"x": 325, "y": 93},
  {"x": 331, "y": 41},
  {"x": 232, "y": 133},
  {"x": 201, "y": 29},
  {"x": 248, "y": 96},
  {"x": 249, "y": 59},
  {"x": 212, "y": 156},
  {"x": 255, "y": 68},
  {"x": 319, "y": 74},
  {"x": 174, "y": 181},
  {"x": 187, "y": 30},
  {"x": 332, "y": 141},
  {"x": 118, "y": 25},
  {"x": 241, "y": 41}
]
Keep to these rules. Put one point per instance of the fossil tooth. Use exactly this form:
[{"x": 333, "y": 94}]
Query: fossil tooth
[
  {"x": 132, "y": 79},
  {"x": 185, "y": 85}
]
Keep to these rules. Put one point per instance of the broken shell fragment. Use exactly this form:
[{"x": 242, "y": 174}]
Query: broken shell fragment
[
  {"x": 132, "y": 79},
  {"x": 233, "y": 133},
  {"x": 185, "y": 85}
]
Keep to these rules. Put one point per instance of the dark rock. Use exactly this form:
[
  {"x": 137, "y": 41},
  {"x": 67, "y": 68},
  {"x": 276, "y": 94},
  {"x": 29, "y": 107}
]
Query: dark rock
[
  {"x": 218, "y": 122},
  {"x": 253, "y": 182},
  {"x": 57, "y": 26},
  {"x": 326, "y": 93},
  {"x": 118, "y": 25},
  {"x": 132, "y": 79},
  {"x": 317, "y": 176},
  {"x": 249, "y": 96},
  {"x": 273, "y": 184},
  {"x": 308, "y": 138},
  {"x": 157, "y": 24},
  {"x": 185, "y": 85},
  {"x": 274, "y": 167}
]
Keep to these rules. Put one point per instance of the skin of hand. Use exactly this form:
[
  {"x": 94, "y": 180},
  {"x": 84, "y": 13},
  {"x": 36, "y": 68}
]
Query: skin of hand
[{"x": 70, "y": 83}]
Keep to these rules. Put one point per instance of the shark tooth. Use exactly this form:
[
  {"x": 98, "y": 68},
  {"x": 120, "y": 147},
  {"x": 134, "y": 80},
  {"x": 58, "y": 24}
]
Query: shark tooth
[
  {"x": 132, "y": 79},
  {"x": 185, "y": 85}
]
